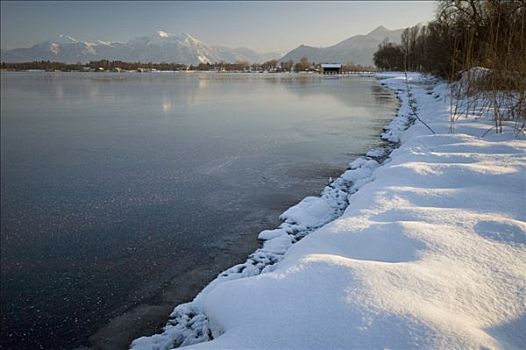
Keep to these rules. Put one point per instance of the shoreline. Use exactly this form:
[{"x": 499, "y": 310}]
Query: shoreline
[
  {"x": 431, "y": 254},
  {"x": 188, "y": 325},
  {"x": 149, "y": 317}
]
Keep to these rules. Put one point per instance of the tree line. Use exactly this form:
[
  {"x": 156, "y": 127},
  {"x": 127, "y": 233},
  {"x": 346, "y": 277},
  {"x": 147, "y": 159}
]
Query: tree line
[
  {"x": 108, "y": 65},
  {"x": 466, "y": 35}
]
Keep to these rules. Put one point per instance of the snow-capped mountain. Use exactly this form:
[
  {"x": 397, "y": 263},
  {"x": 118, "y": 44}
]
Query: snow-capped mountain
[
  {"x": 358, "y": 49},
  {"x": 62, "y": 47},
  {"x": 160, "y": 47}
]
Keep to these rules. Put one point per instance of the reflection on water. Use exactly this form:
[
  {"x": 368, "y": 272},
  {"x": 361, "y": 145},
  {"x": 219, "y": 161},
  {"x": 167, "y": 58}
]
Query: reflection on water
[
  {"x": 114, "y": 185},
  {"x": 381, "y": 95},
  {"x": 167, "y": 104}
]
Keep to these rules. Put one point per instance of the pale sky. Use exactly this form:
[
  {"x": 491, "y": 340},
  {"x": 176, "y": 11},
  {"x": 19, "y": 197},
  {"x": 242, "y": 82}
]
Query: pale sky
[{"x": 263, "y": 26}]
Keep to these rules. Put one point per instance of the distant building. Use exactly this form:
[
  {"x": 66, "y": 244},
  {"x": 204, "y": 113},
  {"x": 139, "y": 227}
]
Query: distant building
[{"x": 331, "y": 68}]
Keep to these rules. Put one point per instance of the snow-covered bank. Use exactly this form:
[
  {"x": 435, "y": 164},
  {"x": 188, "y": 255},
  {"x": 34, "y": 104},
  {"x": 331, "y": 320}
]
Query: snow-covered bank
[{"x": 430, "y": 250}]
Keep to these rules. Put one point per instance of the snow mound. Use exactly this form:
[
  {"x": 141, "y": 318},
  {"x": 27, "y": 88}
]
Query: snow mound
[
  {"x": 270, "y": 234},
  {"x": 310, "y": 212}
]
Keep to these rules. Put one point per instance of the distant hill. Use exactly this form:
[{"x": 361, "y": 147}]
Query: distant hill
[
  {"x": 358, "y": 49},
  {"x": 160, "y": 47}
]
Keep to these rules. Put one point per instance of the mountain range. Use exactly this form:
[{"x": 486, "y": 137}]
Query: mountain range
[
  {"x": 184, "y": 48},
  {"x": 358, "y": 49},
  {"x": 160, "y": 47}
]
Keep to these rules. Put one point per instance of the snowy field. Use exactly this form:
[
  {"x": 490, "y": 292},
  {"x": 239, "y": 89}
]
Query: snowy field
[{"x": 425, "y": 248}]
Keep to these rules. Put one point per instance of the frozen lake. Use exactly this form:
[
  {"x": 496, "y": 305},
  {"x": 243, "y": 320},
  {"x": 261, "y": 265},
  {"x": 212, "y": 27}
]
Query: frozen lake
[{"x": 127, "y": 190}]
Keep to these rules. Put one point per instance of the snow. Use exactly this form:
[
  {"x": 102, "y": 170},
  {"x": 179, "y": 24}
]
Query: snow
[
  {"x": 270, "y": 234},
  {"x": 331, "y": 65},
  {"x": 311, "y": 211},
  {"x": 425, "y": 248},
  {"x": 203, "y": 59},
  {"x": 55, "y": 48},
  {"x": 376, "y": 152},
  {"x": 67, "y": 39},
  {"x": 100, "y": 42}
]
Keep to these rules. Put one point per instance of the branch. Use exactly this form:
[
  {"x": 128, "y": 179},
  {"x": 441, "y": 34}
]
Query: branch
[{"x": 414, "y": 110}]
